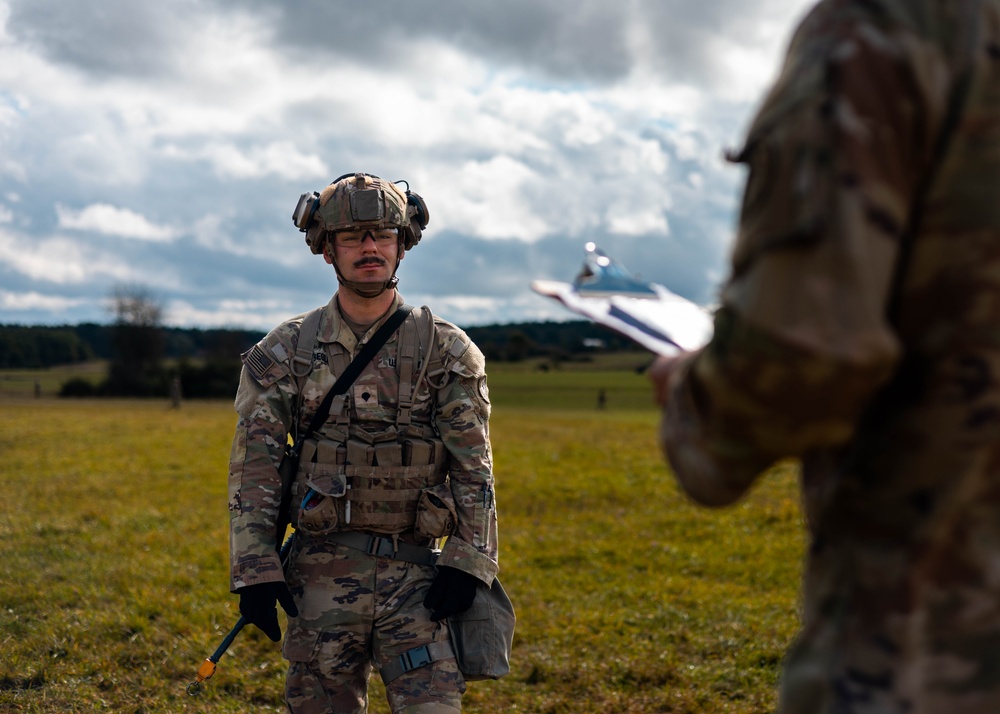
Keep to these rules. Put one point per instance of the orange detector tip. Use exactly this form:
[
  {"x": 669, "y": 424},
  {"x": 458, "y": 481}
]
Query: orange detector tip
[{"x": 205, "y": 671}]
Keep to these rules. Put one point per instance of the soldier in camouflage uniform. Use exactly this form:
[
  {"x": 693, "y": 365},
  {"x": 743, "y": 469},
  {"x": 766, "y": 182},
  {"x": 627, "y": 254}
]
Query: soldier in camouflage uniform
[
  {"x": 859, "y": 331},
  {"x": 402, "y": 462}
]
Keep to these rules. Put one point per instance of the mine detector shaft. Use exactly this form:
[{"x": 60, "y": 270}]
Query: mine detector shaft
[{"x": 208, "y": 667}]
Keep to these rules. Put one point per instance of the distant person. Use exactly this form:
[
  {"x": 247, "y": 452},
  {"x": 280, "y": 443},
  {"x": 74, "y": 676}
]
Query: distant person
[
  {"x": 402, "y": 461},
  {"x": 175, "y": 392},
  {"x": 859, "y": 330}
]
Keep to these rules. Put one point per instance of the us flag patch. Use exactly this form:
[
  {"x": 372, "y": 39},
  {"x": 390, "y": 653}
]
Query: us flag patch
[{"x": 258, "y": 362}]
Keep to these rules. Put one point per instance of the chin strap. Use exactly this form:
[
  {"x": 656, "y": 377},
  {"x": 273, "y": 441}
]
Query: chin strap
[{"x": 367, "y": 290}]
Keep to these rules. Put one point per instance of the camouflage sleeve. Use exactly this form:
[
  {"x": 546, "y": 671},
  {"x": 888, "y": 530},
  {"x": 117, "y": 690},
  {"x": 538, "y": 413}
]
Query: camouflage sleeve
[
  {"x": 463, "y": 421},
  {"x": 802, "y": 340},
  {"x": 264, "y": 404}
]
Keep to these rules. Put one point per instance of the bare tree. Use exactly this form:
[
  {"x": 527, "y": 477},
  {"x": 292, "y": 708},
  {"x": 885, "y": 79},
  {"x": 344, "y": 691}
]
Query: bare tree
[{"x": 136, "y": 363}]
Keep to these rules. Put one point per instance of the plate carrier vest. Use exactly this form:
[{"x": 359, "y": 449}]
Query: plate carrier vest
[{"x": 352, "y": 478}]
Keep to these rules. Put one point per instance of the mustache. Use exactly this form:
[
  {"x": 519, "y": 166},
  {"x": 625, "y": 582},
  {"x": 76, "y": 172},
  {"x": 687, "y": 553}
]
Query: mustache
[{"x": 369, "y": 260}]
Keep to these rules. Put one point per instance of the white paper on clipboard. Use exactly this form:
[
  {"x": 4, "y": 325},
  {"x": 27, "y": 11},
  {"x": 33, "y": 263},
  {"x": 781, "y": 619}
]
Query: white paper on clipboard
[{"x": 646, "y": 313}]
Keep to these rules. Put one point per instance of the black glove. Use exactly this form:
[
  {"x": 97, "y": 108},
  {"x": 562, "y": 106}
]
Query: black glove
[
  {"x": 452, "y": 592},
  {"x": 257, "y": 606}
]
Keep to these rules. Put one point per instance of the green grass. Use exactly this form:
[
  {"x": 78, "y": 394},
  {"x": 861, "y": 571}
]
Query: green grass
[
  {"x": 17, "y": 383},
  {"x": 113, "y": 561}
]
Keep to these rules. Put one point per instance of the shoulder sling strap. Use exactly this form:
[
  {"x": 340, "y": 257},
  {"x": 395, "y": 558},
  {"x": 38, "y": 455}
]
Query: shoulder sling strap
[{"x": 346, "y": 379}]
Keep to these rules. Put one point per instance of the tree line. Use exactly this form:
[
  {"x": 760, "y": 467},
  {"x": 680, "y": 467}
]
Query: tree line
[
  {"x": 44, "y": 346},
  {"x": 146, "y": 358}
]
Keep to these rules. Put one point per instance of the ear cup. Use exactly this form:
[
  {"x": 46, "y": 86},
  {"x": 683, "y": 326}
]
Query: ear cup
[
  {"x": 417, "y": 209},
  {"x": 304, "y": 211},
  {"x": 411, "y": 236},
  {"x": 315, "y": 238}
]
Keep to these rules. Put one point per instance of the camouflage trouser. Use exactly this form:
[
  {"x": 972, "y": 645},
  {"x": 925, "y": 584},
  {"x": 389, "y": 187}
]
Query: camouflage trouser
[
  {"x": 355, "y": 610},
  {"x": 901, "y": 606}
]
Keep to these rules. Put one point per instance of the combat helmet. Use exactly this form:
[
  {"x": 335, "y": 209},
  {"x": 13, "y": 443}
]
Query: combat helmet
[{"x": 359, "y": 201}]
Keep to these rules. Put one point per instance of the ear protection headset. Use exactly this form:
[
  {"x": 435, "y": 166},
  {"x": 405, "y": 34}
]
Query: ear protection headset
[
  {"x": 416, "y": 211},
  {"x": 362, "y": 210}
]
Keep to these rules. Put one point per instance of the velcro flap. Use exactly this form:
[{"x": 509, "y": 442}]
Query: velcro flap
[{"x": 328, "y": 481}]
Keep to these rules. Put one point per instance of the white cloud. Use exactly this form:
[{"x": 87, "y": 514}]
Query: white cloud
[
  {"x": 281, "y": 159},
  {"x": 58, "y": 260},
  {"x": 110, "y": 220},
  {"x": 637, "y": 222},
  {"x": 493, "y": 200},
  {"x": 15, "y": 169},
  {"x": 512, "y": 133},
  {"x": 53, "y": 260},
  {"x": 468, "y": 310},
  {"x": 247, "y": 314},
  {"x": 37, "y": 301}
]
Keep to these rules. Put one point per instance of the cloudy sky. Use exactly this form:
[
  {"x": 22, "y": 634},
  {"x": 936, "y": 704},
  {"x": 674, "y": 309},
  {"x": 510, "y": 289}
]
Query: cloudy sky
[{"x": 163, "y": 145}]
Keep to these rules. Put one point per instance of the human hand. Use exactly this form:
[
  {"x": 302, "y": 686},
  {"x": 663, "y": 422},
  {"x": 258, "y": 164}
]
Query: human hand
[
  {"x": 257, "y": 605},
  {"x": 452, "y": 592}
]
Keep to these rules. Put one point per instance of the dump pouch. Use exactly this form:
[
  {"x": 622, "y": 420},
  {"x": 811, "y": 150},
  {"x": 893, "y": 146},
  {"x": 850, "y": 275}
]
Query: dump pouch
[{"x": 483, "y": 635}]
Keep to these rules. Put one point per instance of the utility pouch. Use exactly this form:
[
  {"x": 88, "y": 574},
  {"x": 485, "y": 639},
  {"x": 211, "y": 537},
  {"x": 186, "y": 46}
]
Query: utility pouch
[
  {"x": 436, "y": 514},
  {"x": 319, "y": 456},
  {"x": 417, "y": 452},
  {"x": 359, "y": 453},
  {"x": 318, "y": 515},
  {"x": 483, "y": 635}
]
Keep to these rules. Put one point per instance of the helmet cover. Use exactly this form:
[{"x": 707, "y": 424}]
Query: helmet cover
[{"x": 362, "y": 201}]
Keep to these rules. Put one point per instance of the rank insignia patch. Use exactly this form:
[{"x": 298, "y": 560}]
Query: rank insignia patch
[{"x": 365, "y": 397}]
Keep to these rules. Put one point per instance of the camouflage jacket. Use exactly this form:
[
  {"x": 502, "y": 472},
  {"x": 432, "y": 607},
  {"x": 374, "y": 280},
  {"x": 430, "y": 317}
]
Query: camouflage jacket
[
  {"x": 457, "y": 407},
  {"x": 859, "y": 330}
]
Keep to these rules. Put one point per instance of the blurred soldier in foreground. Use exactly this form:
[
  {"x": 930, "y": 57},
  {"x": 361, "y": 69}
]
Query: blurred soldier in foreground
[
  {"x": 859, "y": 331},
  {"x": 403, "y": 460}
]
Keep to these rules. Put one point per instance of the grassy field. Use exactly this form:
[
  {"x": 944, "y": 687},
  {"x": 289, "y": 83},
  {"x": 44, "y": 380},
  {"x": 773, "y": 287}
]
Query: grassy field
[
  {"x": 17, "y": 383},
  {"x": 113, "y": 561}
]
